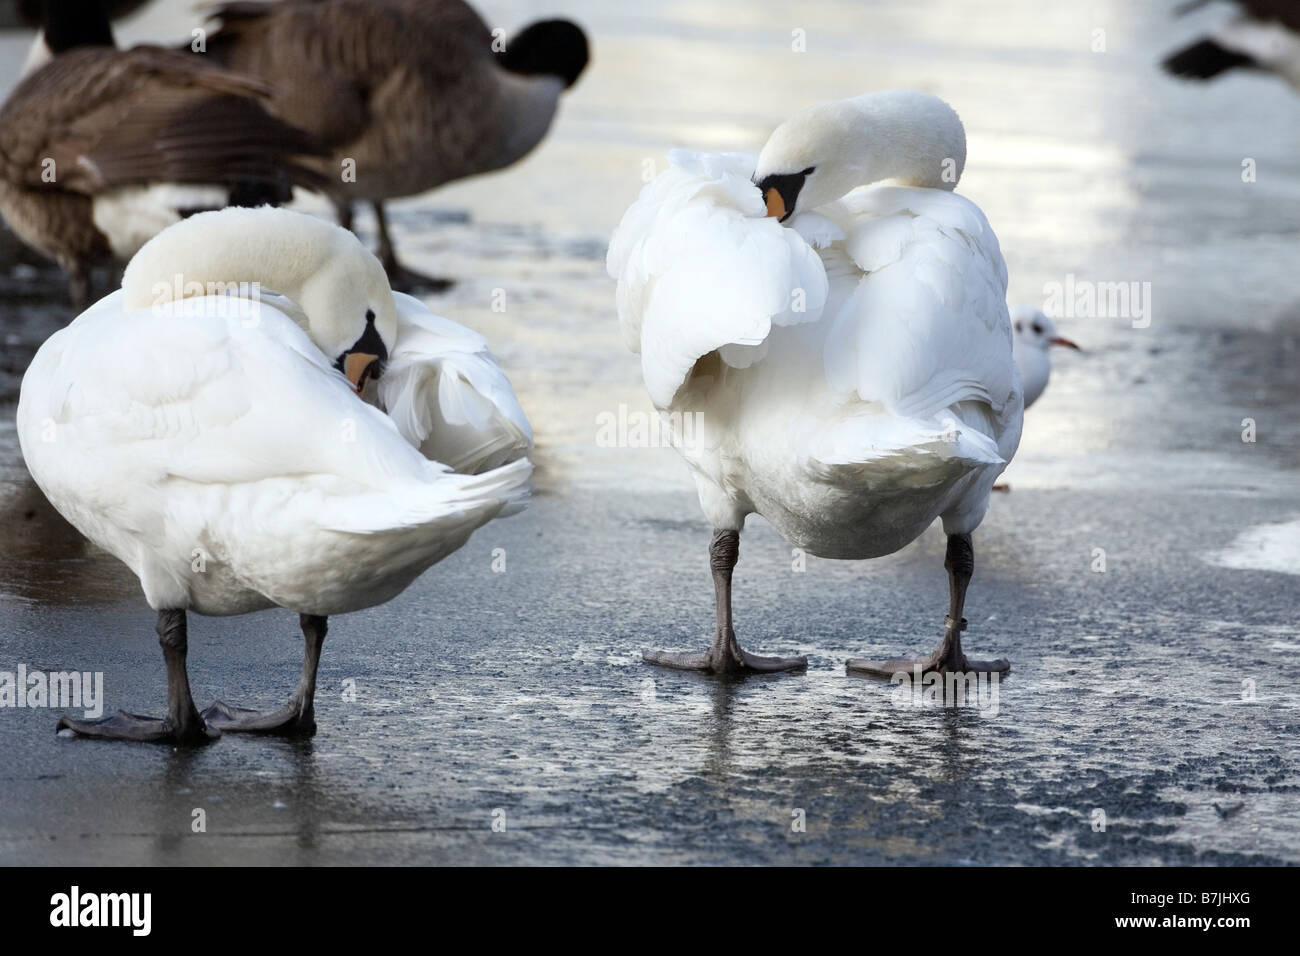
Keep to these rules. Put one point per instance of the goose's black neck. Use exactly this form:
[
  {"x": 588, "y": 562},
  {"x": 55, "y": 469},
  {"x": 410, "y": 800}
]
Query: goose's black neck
[{"x": 73, "y": 23}]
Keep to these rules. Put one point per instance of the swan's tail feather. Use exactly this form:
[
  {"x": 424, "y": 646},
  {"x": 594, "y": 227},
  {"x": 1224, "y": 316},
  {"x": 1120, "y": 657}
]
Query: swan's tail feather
[
  {"x": 446, "y": 500},
  {"x": 475, "y": 423},
  {"x": 448, "y": 396},
  {"x": 900, "y": 452}
]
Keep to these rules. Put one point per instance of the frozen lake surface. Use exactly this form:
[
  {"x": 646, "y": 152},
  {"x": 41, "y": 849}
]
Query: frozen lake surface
[{"x": 1160, "y": 693}]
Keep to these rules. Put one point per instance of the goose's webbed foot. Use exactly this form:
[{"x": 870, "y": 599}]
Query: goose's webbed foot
[{"x": 402, "y": 279}]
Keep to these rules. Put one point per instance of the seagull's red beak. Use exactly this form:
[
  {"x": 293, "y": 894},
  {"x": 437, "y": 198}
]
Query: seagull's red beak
[{"x": 1061, "y": 340}]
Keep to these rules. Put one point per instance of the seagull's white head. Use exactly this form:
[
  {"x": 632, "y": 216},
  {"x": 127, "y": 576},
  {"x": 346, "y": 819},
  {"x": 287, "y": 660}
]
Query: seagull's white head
[
  {"x": 822, "y": 153},
  {"x": 1032, "y": 328}
]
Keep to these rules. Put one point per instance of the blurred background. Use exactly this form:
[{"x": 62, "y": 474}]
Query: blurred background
[{"x": 1088, "y": 161}]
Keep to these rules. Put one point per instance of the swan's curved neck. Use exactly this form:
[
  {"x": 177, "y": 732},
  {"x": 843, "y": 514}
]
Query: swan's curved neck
[
  {"x": 247, "y": 248},
  {"x": 914, "y": 139},
  {"x": 823, "y": 153}
]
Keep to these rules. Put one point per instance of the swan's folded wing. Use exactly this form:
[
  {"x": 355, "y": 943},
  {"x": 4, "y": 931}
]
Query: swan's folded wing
[
  {"x": 701, "y": 268},
  {"x": 448, "y": 396},
  {"x": 926, "y": 328},
  {"x": 164, "y": 394}
]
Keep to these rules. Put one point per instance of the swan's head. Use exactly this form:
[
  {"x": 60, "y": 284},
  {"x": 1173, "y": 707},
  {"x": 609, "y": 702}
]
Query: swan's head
[
  {"x": 821, "y": 154},
  {"x": 1033, "y": 329},
  {"x": 799, "y": 167},
  {"x": 340, "y": 291},
  {"x": 548, "y": 48},
  {"x": 350, "y": 311}
]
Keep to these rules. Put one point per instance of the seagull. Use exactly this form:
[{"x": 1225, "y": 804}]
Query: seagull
[
  {"x": 834, "y": 317},
  {"x": 1033, "y": 334}
]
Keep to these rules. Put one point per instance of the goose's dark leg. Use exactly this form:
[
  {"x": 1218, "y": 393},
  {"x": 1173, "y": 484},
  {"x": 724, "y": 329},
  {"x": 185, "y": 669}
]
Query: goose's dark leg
[
  {"x": 960, "y": 562},
  {"x": 726, "y": 655},
  {"x": 399, "y": 276},
  {"x": 182, "y": 725},
  {"x": 343, "y": 210},
  {"x": 298, "y": 716},
  {"x": 79, "y": 277}
]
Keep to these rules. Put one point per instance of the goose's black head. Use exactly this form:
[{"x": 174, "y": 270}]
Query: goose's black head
[
  {"x": 69, "y": 24},
  {"x": 547, "y": 48}
]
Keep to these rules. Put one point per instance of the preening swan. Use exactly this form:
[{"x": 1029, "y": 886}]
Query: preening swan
[
  {"x": 848, "y": 351},
  {"x": 207, "y": 438},
  {"x": 1033, "y": 334}
]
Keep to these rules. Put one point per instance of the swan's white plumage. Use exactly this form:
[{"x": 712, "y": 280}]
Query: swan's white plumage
[
  {"x": 699, "y": 270},
  {"x": 225, "y": 460},
  {"x": 890, "y": 400},
  {"x": 448, "y": 396}
]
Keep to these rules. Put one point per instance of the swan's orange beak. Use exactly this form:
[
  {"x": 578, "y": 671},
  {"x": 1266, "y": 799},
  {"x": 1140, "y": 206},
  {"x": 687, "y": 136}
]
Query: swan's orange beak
[
  {"x": 775, "y": 203},
  {"x": 1061, "y": 340},
  {"x": 356, "y": 366}
]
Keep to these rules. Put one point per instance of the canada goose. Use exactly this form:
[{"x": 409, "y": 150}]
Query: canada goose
[
  {"x": 227, "y": 458},
  {"x": 1265, "y": 36},
  {"x": 406, "y": 94},
  {"x": 70, "y": 27},
  {"x": 845, "y": 352},
  {"x": 101, "y": 149}
]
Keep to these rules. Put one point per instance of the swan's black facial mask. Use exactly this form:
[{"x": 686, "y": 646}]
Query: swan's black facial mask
[
  {"x": 781, "y": 191},
  {"x": 366, "y": 358}
]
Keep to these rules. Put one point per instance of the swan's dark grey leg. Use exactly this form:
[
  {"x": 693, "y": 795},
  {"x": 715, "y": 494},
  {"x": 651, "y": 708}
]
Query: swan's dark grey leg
[
  {"x": 399, "y": 276},
  {"x": 182, "y": 725},
  {"x": 297, "y": 718},
  {"x": 960, "y": 562},
  {"x": 726, "y": 655}
]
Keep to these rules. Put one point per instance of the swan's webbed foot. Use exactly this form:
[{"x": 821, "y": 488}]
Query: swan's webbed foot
[
  {"x": 297, "y": 718},
  {"x": 948, "y": 659},
  {"x": 291, "y": 720},
  {"x": 725, "y": 657},
  {"x": 937, "y": 663},
  {"x": 183, "y": 725},
  {"x": 124, "y": 726}
]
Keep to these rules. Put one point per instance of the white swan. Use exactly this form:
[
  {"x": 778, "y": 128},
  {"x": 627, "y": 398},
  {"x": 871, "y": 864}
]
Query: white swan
[
  {"x": 210, "y": 442},
  {"x": 852, "y": 369},
  {"x": 1033, "y": 334}
]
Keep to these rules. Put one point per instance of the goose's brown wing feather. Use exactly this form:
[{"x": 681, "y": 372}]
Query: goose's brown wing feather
[
  {"x": 328, "y": 62},
  {"x": 111, "y": 118}
]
